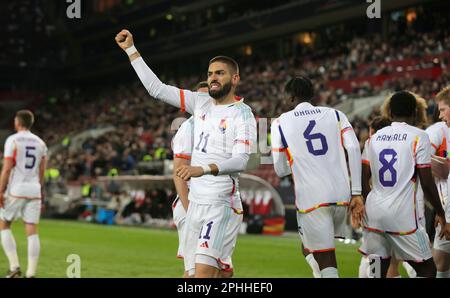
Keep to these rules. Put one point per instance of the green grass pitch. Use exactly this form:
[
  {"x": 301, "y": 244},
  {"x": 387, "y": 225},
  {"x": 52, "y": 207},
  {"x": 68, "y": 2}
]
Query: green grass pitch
[{"x": 114, "y": 251}]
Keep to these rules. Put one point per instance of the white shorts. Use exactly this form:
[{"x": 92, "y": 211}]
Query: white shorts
[
  {"x": 179, "y": 219},
  {"x": 441, "y": 244},
  {"x": 27, "y": 209},
  {"x": 211, "y": 230},
  {"x": 414, "y": 247},
  {"x": 319, "y": 227}
]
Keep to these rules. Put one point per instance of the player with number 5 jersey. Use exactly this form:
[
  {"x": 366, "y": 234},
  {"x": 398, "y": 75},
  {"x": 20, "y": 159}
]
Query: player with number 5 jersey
[
  {"x": 309, "y": 142},
  {"x": 22, "y": 190}
]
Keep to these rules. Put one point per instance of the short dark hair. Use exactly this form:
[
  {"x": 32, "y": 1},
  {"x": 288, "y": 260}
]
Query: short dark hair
[
  {"x": 379, "y": 122},
  {"x": 26, "y": 118},
  {"x": 300, "y": 88},
  {"x": 403, "y": 104},
  {"x": 202, "y": 84},
  {"x": 232, "y": 64}
]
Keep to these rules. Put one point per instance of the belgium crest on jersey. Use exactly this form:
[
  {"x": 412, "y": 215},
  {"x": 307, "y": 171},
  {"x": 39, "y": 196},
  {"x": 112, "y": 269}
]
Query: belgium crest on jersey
[{"x": 223, "y": 125}]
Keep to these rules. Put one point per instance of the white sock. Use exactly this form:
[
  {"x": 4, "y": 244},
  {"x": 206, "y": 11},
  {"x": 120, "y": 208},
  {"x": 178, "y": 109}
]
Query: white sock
[
  {"x": 34, "y": 248},
  {"x": 313, "y": 264},
  {"x": 443, "y": 274},
  {"x": 9, "y": 246},
  {"x": 398, "y": 276},
  {"x": 364, "y": 268},
  {"x": 409, "y": 270},
  {"x": 329, "y": 272}
]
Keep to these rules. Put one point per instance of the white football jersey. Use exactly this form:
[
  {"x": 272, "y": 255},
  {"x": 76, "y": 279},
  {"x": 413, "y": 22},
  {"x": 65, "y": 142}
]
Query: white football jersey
[
  {"x": 27, "y": 151},
  {"x": 393, "y": 154},
  {"x": 221, "y": 132},
  {"x": 313, "y": 140},
  {"x": 420, "y": 206},
  {"x": 183, "y": 140},
  {"x": 438, "y": 134}
]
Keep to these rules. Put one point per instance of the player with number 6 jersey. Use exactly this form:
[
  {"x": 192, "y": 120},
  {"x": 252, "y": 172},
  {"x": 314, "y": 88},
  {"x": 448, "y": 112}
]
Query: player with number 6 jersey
[{"x": 309, "y": 142}]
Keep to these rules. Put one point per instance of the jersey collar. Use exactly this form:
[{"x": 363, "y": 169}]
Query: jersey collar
[{"x": 304, "y": 105}]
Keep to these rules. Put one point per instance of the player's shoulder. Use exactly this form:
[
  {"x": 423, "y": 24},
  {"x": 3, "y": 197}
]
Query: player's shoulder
[
  {"x": 243, "y": 110},
  {"x": 437, "y": 127},
  {"x": 188, "y": 123},
  {"x": 338, "y": 113},
  {"x": 203, "y": 99},
  {"x": 38, "y": 139},
  {"x": 11, "y": 137}
]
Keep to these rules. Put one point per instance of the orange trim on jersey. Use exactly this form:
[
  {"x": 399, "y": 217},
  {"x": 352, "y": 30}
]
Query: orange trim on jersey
[
  {"x": 342, "y": 133},
  {"x": 442, "y": 149},
  {"x": 322, "y": 250},
  {"x": 416, "y": 141},
  {"x": 183, "y": 156},
  {"x": 15, "y": 153},
  {"x": 434, "y": 146},
  {"x": 391, "y": 233},
  {"x": 182, "y": 103},
  {"x": 278, "y": 149},
  {"x": 365, "y": 162},
  {"x": 322, "y": 205},
  {"x": 345, "y": 130},
  {"x": 366, "y": 254},
  {"x": 227, "y": 267},
  {"x": 9, "y": 158},
  {"x": 289, "y": 157},
  {"x": 423, "y": 166},
  {"x": 237, "y": 211},
  {"x": 180, "y": 257},
  {"x": 246, "y": 142},
  {"x": 174, "y": 204}
]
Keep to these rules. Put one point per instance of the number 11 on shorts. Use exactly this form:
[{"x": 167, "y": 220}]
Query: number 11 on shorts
[{"x": 208, "y": 231}]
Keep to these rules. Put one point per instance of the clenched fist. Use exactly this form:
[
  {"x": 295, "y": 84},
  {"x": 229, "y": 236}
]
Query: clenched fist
[{"x": 124, "y": 39}]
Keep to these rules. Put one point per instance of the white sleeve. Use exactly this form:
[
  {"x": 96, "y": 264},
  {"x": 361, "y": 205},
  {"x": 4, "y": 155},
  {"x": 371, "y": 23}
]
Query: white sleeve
[
  {"x": 280, "y": 162},
  {"x": 365, "y": 155},
  {"x": 184, "y": 99},
  {"x": 435, "y": 138},
  {"x": 9, "y": 148},
  {"x": 351, "y": 144},
  {"x": 423, "y": 151},
  {"x": 244, "y": 145},
  {"x": 183, "y": 140}
]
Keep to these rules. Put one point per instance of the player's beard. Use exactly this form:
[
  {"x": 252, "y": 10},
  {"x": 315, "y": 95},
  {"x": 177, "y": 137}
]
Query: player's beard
[{"x": 221, "y": 93}]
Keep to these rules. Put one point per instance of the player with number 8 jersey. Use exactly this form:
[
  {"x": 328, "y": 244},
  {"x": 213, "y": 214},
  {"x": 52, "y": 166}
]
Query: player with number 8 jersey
[
  {"x": 309, "y": 142},
  {"x": 397, "y": 156}
]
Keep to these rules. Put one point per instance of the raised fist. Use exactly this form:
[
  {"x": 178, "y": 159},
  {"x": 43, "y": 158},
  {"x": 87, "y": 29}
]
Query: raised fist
[{"x": 124, "y": 39}]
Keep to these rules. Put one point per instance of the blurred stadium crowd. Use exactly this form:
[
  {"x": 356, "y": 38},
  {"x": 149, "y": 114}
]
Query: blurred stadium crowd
[
  {"x": 413, "y": 55},
  {"x": 143, "y": 126}
]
